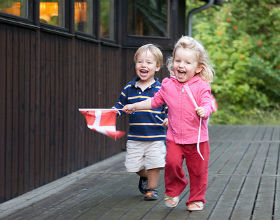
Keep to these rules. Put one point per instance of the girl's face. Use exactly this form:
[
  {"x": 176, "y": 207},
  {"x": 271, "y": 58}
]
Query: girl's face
[
  {"x": 185, "y": 64},
  {"x": 146, "y": 66}
]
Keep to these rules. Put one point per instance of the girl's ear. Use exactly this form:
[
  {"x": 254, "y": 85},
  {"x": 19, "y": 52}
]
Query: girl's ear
[{"x": 199, "y": 68}]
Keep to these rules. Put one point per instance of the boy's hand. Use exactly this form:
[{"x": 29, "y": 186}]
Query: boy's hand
[
  {"x": 200, "y": 111},
  {"x": 165, "y": 122},
  {"x": 128, "y": 109}
]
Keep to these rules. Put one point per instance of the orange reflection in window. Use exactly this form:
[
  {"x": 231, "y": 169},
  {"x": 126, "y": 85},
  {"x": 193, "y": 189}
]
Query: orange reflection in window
[
  {"x": 48, "y": 10},
  {"x": 80, "y": 11},
  {"x": 14, "y": 9}
]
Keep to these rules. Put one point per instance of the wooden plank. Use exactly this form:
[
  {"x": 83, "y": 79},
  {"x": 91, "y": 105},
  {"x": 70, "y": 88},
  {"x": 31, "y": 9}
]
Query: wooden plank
[
  {"x": 9, "y": 118},
  {"x": 234, "y": 158},
  {"x": 271, "y": 166},
  {"x": 260, "y": 133},
  {"x": 27, "y": 119},
  {"x": 268, "y": 134},
  {"x": 56, "y": 109},
  {"x": 276, "y": 134},
  {"x": 15, "y": 112},
  {"x": 245, "y": 202},
  {"x": 259, "y": 161},
  {"x": 246, "y": 162},
  {"x": 3, "y": 109},
  {"x": 44, "y": 132},
  {"x": 38, "y": 160},
  {"x": 276, "y": 209},
  {"x": 223, "y": 159},
  {"x": 21, "y": 109},
  {"x": 228, "y": 199},
  {"x": 263, "y": 208},
  {"x": 34, "y": 71}
]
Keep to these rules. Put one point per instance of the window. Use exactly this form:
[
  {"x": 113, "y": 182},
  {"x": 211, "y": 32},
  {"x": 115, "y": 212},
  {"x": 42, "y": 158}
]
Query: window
[
  {"x": 107, "y": 21},
  {"x": 15, "y": 7},
  {"x": 148, "y": 17},
  {"x": 84, "y": 16},
  {"x": 52, "y": 12}
]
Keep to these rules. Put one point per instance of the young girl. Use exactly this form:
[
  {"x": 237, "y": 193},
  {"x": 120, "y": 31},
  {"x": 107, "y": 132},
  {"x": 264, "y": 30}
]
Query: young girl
[{"x": 187, "y": 96}]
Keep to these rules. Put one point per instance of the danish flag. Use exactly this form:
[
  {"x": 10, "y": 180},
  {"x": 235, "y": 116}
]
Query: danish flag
[{"x": 102, "y": 121}]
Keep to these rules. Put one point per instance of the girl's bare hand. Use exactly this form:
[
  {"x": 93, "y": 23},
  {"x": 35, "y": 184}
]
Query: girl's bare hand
[{"x": 200, "y": 111}]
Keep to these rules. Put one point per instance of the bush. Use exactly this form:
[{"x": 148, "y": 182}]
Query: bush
[{"x": 242, "y": 39}]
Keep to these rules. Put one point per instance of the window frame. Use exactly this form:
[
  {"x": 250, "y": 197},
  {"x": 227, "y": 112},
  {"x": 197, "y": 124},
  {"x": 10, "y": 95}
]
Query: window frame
[
  {"x": 50, "y": 27},
  {"x": 136, "y": 41},
  {"x": 30, "y": 16},
  {"x": 104, "y": 40},
  {"x": 94, "y": 24}
]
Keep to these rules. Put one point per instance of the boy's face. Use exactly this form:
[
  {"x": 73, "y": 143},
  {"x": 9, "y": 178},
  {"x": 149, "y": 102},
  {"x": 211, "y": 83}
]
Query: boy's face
[
  {"x": 146, "y": 66},
  {"x": 185, "y": 64}
]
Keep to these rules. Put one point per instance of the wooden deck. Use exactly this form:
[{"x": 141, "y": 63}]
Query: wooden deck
[{"x": 244, "y": 184}]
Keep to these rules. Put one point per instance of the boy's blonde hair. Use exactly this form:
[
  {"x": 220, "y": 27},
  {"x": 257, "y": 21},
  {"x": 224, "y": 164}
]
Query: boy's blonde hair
[
  {"x": 154, "y": 50},
  {"x": 190, "y": 43}
]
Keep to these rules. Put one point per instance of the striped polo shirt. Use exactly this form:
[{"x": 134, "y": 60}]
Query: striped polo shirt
[{"x": 143, "y": 125}]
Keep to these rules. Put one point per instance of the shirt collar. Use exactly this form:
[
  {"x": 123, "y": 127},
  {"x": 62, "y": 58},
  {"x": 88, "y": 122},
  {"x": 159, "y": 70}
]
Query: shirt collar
[{"x": 136, "y": 78}]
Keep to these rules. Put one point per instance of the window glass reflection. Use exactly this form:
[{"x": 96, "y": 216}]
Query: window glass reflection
[
  {"x": 52, "y": 12},
  {"x": 107, "y": 25},
  {"x": 14, "y": 7},
  {"x": 84, "y": 16},
  {"x": 148, "y": 17}
]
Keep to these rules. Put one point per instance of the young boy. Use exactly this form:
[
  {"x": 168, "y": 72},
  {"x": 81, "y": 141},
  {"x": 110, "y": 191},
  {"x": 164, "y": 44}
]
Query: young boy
[{"x": 146, "y": 138}]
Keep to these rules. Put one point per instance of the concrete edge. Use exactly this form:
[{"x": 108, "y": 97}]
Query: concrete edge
[{"x": 49, "y": 189}]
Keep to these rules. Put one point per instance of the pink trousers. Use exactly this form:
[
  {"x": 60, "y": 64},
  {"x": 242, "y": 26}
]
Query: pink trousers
[{"x": 175, "y": 178}]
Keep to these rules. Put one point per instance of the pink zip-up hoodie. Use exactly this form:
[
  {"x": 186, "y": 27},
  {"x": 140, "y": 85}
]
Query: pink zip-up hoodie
[{"x": 183, "y": 122}]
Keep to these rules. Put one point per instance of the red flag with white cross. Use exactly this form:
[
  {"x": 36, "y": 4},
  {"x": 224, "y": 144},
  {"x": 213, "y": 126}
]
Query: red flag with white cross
[{"x": 102, "y": 121}]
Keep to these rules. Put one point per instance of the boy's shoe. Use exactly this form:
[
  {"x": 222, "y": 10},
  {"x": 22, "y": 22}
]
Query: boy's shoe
[
  {"x": 143, "y": 184},
  {"x": 151, "y": 194},
  {"x": 195, "y": 206}
]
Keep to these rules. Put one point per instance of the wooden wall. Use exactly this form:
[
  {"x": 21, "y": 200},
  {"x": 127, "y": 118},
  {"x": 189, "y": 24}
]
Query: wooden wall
[{"x": 44, "y": 79}]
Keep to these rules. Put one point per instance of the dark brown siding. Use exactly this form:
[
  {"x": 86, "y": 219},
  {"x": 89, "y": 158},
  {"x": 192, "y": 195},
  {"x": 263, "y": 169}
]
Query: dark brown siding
[{"x": 44, "y": 79}]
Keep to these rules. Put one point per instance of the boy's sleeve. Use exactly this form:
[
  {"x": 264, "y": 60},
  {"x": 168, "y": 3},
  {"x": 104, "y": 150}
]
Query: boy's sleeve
[{"x": 122, "y": 101}]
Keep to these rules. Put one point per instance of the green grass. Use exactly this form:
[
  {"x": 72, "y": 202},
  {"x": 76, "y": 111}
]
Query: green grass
[{"x": 257, "y": 117}]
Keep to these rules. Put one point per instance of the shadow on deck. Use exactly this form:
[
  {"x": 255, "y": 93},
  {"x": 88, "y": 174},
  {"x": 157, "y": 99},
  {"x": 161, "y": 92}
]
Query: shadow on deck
[{"x": 243, "y": 183}]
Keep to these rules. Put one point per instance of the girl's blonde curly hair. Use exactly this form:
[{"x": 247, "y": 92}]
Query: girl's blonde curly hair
[{"x": 186, "y": 42}]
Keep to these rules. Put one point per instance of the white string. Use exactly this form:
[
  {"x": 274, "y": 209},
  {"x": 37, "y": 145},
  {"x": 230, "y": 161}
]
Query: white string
[{"x": 199, "y": 129}]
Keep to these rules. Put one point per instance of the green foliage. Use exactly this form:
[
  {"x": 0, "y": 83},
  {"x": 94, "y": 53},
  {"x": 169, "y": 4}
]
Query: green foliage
[{"x": 242, "y": 39}]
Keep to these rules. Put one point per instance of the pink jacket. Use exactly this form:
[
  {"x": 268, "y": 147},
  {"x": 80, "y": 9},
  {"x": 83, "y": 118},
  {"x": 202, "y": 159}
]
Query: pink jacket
[{"x": 183, "y": 122}]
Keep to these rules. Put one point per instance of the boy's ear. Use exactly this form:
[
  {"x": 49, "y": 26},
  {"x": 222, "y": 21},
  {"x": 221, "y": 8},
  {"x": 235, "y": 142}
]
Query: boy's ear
[
  {"x": 157, "y": 68},
  {"x": 199, "y": 68}
]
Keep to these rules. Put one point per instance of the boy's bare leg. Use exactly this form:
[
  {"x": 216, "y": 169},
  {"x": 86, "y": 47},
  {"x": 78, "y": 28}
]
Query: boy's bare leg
[
  {"x": 153, "y": 178},
  {"x": 142, "y": 173}
]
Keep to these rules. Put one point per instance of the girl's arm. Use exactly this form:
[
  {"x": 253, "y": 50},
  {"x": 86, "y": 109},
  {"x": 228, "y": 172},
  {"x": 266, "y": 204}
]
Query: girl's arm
[{"x": 146, "y": 104}]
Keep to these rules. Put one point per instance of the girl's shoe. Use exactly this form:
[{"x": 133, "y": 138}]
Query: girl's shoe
[
  {"x": 171, "y": 202},
  {"x": 151, "y": 194},
  {"x": 195, "y": 206}
]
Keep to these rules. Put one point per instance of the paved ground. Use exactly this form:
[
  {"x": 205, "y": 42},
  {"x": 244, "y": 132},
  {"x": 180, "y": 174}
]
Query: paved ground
[{"x": 244, "y": 184}]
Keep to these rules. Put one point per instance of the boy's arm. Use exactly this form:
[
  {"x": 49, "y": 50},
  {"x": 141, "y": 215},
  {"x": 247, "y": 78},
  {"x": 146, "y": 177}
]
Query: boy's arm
[
  {"x": 143, "y": 105},
  {"x": 121, "y": 102}
]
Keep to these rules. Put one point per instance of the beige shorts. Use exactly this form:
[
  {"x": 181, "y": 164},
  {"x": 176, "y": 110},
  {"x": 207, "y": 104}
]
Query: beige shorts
[{"x": 144, "y": 155}]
